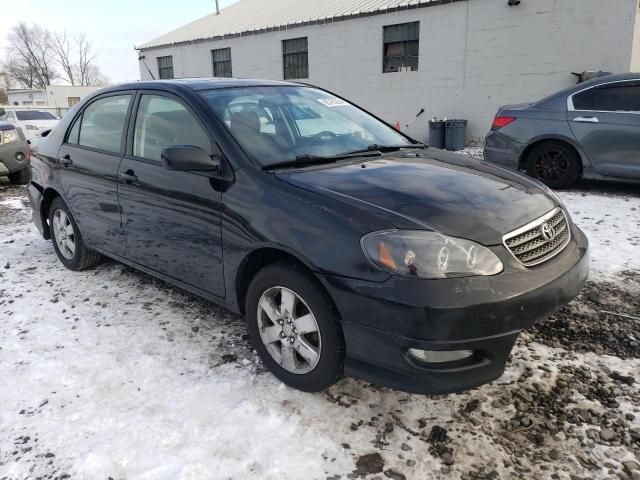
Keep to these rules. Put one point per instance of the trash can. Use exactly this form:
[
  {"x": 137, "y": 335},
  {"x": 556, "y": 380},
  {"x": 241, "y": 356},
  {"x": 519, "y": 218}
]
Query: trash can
[
  {"x": 436, "y": 134},
  {"x": 455, "y": 134}
]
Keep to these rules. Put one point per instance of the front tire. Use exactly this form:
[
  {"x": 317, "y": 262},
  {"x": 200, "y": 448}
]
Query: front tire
[
  {"x": 20, "y": 177},
  {"x": 294, "y": 328},
  {"x": 67, "y": 239},
  {"x": 554, "y": 163}
]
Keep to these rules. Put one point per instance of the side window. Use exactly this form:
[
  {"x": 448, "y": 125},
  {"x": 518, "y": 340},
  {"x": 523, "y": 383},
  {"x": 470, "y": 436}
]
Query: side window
[
  {"x": 74, "y": 133},
  {"x": 619, "y": 97},
  {"x": 163, "y": 122},
  {"x": 103, "y": 123}
]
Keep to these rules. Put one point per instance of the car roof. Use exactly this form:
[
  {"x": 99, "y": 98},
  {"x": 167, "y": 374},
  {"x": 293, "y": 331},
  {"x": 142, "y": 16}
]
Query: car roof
[
  {"x": 6, "y": 125},
  {"x": 563, "y": 94},
  {"x": 200, "y": 84}
]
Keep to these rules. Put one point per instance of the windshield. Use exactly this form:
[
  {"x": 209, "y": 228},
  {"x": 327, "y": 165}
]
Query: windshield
[
  {"x": 281, "y": 124},
  {"x": 34, "y": 115}
]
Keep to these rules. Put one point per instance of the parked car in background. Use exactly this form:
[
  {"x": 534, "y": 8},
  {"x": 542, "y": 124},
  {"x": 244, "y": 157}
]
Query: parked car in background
[
  {"x": 349, "y": 247},
  {"x": 14, "y": 153},
  {"x": 30, "y": 121},
  {"x": 591, "y": 130}
]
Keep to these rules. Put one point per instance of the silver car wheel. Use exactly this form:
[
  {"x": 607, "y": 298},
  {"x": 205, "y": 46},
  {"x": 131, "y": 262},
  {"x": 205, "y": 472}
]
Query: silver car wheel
[
  {"x": 289, "y": 330},
  {"x": 64, "y": 234}
]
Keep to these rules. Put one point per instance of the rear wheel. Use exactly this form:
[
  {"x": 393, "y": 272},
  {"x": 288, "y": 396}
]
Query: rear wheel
[
  {"x": 20, "y": 177},
  {"x": 67, "y": 239},
  {"x": 294, "y": 328},
  {"x": 555, "y": 164}
]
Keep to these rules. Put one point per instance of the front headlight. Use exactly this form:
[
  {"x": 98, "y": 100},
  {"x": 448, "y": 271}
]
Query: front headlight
[
  {"x": 8, "y": 136},
  {"x": 422, "y": 254},
  {"x": 31, "y": 127}
]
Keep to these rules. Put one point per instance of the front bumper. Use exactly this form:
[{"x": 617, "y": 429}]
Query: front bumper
[
  {"x": 381, "y": 321},
  {"x": 9, "y": 157},
  {"x": 501, "y": 150}
]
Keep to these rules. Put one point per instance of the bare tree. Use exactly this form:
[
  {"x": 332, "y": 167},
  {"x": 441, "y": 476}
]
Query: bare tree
[
  {"x": 62, "y": 50},
  {"x": 86, "y": 67},
  {"x": 35, "y": 54},
  {"x": 30, "y": 56}
]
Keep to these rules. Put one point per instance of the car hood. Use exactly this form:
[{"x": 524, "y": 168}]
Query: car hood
[{"x": 452, "y": 194}]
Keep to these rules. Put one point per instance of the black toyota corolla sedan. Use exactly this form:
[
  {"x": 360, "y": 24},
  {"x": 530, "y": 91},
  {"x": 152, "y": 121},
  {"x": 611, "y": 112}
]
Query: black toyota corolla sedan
[{"x": 348, "y": 247}]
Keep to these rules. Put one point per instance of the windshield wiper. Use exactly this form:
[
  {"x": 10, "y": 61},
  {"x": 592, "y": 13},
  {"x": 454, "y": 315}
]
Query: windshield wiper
[
  {"x": 306, "y": 160},
  {"x": 388, "y": 148}
]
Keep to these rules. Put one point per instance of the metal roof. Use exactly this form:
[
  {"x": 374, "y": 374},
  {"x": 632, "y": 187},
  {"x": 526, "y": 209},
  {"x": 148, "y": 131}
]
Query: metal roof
[{"x": 248, "y": 17}]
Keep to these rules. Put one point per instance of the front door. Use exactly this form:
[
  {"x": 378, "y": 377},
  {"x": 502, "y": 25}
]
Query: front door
[
  {"x": 89, "y": 160},
  {"x": 606, "y": 123},
  {"x": 171, "y": 218}
]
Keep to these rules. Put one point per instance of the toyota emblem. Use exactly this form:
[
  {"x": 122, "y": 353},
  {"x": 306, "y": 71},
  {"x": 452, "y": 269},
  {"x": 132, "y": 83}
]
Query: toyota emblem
[{"x": 547, "y": 231}]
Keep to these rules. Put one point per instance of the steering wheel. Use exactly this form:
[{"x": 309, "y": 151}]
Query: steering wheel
[{"x": 323, "y": 136}]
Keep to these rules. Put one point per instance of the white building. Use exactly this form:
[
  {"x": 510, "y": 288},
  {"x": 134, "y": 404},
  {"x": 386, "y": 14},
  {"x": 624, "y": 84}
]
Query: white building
[
  {"x": 58, "y": 96},
  {"x": 454, "y": 58},
  {"x": 26, "y": 96}
]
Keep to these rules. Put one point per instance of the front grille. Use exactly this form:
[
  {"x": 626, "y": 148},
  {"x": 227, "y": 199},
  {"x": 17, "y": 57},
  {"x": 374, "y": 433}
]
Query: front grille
[{"x": 539, "y": 240}]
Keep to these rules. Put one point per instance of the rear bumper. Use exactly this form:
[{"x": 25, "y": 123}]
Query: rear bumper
[
  {"x": 35, "y": 197},
  {"x": 502, "y": 150},
  {"x": 9, "y": 157},
  {"x": 483, "y": 314}
]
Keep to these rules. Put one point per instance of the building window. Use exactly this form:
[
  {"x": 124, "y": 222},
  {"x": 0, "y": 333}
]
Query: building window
[
  {"x": 401, "y": 44},
  {"x": 295, "y": 58},
  {"x": 165, "y": 67},
  {"x": 71, "y": 101},
  {"x": 221, "y": 62}
]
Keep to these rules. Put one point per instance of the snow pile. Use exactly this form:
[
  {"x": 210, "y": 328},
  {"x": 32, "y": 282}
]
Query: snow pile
[
  {"x": 16, "y": 203},
  {"x": 612, "y": 223}
]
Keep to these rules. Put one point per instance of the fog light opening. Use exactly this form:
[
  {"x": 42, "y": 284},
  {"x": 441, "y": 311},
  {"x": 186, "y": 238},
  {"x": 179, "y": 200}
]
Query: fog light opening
[
  {"x": 443, "y": 356},
  {"x": 20, "y": 156}
]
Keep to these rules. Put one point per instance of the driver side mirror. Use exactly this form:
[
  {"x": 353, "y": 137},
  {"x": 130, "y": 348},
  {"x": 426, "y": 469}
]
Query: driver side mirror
[
  {"x": 187, "y": 158},
  {"x": 3, "y": 112}
]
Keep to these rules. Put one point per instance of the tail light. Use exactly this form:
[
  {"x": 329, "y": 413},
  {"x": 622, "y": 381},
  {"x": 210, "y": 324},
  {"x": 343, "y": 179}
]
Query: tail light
[
  {"x": 500, "y": 122},
  {"x": 28, "y": 152}
]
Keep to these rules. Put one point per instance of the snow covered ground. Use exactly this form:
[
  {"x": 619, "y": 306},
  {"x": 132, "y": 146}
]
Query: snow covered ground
[{"x": 110, "y": 373}]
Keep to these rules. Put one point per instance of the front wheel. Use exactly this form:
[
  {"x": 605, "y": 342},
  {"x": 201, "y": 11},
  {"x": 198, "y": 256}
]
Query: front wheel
[
  {"x": 67, "y": 239},
  {"x": 294, "y": 328},
  {"x": 555, "y": 164}
]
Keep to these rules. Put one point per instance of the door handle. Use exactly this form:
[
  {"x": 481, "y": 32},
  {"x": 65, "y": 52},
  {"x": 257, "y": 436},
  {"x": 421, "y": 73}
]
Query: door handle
[
  {"x": 129, "y": 177},
  {"x": 65, "y": 161},
  {"x": 586, "y": 119}
]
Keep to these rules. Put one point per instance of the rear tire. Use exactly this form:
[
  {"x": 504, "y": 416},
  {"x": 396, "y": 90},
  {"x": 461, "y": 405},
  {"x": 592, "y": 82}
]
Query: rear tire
[
  {"x": 20, "y": 177},
  {"x": 67, "y": 239},
  {"x": 305, "y": 350},
  {"x": 554, "y": 163}
]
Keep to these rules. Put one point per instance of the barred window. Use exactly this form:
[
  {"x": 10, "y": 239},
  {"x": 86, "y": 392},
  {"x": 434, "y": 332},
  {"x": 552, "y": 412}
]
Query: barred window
[
  {"x": 165, "y": 67},
  {"x": 221, "y": 58},
  {"x": 295, "y": 58},
  {"x": 401, "y": 45}
]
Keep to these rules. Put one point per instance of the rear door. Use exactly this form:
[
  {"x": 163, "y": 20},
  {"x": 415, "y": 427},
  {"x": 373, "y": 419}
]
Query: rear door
[
  {"x": 172, "y": 219},
  {"x": 606, "y": 123},
  {"x": 89, "y": 157}
]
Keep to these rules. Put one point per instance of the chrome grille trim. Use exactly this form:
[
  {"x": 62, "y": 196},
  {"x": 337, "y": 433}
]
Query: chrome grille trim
[{"x": 528, "y": 245}]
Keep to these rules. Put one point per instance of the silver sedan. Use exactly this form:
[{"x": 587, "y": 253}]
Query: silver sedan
[{"x": 591, "y": 130}]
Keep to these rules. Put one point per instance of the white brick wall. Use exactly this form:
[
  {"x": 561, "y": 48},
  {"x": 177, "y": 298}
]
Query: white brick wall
[{"x": 474, "y": 56}]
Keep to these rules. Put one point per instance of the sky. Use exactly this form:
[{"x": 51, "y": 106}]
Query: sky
[{"x": 113, "y": 26}]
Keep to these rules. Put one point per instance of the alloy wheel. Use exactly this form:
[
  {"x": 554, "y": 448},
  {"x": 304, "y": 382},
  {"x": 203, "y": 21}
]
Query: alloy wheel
[
  {"x": 64, "y": 234},
  {"x": 552, "y": 165},
  {"x": 289, "y": 330}
]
